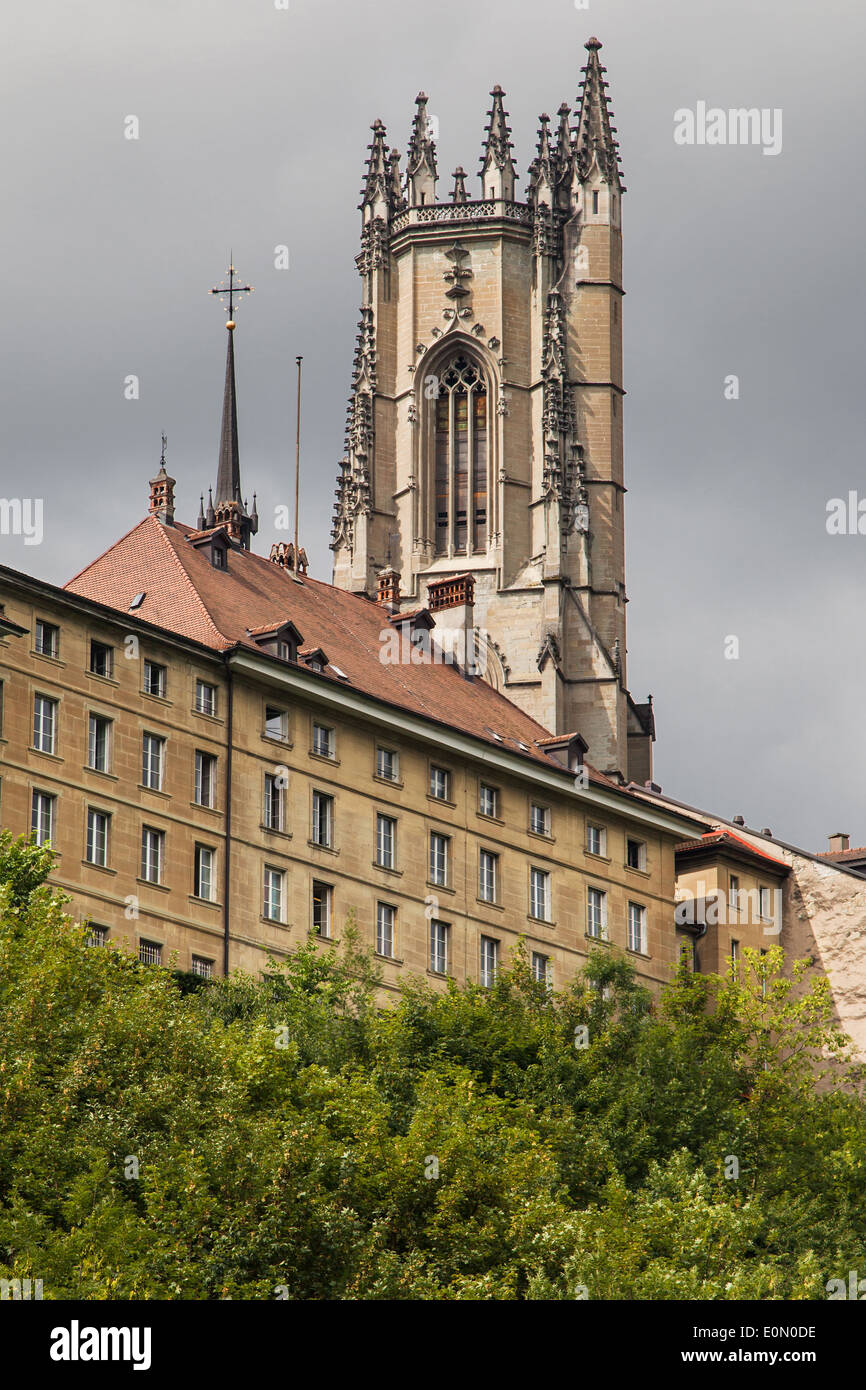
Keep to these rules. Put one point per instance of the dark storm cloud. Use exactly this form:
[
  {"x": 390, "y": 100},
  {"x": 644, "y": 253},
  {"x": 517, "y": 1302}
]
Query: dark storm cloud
[{"x": 253, "y": 127}]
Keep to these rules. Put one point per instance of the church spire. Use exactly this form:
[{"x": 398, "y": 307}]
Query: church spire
[
  {"x": 229, "y": 510},
  {"x": 595, "y": 137},
  {"x": 542, "y": 170},
  {"x": 498, "y": 175},
  {"x": 421, "y": 157}
]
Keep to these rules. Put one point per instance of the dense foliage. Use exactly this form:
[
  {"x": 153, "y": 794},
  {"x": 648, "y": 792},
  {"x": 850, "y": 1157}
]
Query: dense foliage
[{"x": 291, "y": 1138}]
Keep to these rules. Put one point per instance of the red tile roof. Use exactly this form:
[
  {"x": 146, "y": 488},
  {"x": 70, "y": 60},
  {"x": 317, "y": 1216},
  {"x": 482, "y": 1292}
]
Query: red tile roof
[
  {"x": 184, "y": 594},
  {"x": 839, "y": 856},
  {"x": 727, "y": 839}
]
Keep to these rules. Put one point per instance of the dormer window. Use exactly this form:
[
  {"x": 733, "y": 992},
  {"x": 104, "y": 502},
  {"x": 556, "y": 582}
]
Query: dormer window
[
  {"x": 220, "y": 561},
  {"x": 281, "y": 641}
]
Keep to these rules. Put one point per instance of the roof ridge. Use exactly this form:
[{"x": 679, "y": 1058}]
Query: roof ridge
[{"x": 226, "y": 641}]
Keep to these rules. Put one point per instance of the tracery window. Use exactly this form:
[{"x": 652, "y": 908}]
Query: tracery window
[{"x": 460, "y": 431}]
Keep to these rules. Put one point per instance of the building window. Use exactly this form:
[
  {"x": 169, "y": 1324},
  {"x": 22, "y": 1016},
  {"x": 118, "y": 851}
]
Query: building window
[
  {"x": 596, "y": 840},
  {"x": 43, "y": 817},
  {"x": 440, "y": 934},
  {"x": 152, "y": 761},
  {"x": 489, "y": 960},
  {"x": 323, "y": 819},
  {"x": 44, "y": 724},
  {"x": 385, "y": 915},
  {"x": 149, "y": 952},
  {"x": 205, "y": 779},
  {"x": 542, "y": 969},
  {"x": 596, "y": 913},
  {"x": 276, "y": 723},
  {"x": 460, "y": 429},
  {"x": 275, "y": 802},
  {"x": 97, "y": 743},
  {"x": 387, "y": 764},
  {"x": 204, "y": 885},
  {"x": 152, "y": 854},
  {"x": 323, "y": 895},
  {"x": 101, "y": 660},
  {"x": 154, "y": 679},
  {"x": 439, "y": 859},
  {"x": 488, "y": 887},
  {"x": 765, "y": 903},
  {"x": 219, "y": 557},
  {"x": 595, "y": 200},
  {"x": 275, "y": 895},
  {"x": 637, "y": 928},
  {"x": 635, "y": 854},
  {"x": 203, "y": 967},
  {"x": 205, "y": 698},
  {"x": 440, "y": 783},
  {"x": 539, "y": 894},
  {"x": 539, "y": 819},
  {"x": 97, "y": 838},
  {"x": 386, "y": 839},
  {"x": 735, "y": 956},
  {"x": 97, "y": 936},
  {"x": 488, "y": 800},
  {"x": 47, "y": 638},
  {"x": 323, "y": 741},
  {"x": 734, "y": 892}
]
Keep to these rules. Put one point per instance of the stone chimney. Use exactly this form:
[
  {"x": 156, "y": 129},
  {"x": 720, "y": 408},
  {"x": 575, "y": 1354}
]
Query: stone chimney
[
  {"x": 388, "y": 593},
  {"x": 839, "y": 842},
  {"x": 453, "y": 602}
]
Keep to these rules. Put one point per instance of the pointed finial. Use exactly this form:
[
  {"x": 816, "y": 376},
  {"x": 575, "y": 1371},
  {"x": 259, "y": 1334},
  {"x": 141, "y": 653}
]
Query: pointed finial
[
  {"x": 200, "y": 521},
  {"x": 421, "y": 170},
  {"x": 458, "y": 193},
  {"x": 498, "y": 175},
  {"x": 595, "y": 139}
]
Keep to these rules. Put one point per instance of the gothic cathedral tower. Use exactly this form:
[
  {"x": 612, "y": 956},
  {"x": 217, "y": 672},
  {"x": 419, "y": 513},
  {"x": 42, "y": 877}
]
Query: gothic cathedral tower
[{"x": 485, "y": 432}]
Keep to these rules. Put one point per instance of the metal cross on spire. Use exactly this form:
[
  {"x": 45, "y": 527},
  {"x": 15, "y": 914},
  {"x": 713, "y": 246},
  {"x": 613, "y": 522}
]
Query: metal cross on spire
[{"x": 230, "y": 292}]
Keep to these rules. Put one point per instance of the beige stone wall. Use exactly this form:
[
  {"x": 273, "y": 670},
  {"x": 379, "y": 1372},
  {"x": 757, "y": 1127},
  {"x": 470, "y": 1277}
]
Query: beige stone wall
[{"x": 185, "y": 926}]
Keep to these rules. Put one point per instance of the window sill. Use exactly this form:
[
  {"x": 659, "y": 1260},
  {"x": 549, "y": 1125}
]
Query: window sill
[
  {"x": 388, "y": 781},
  {"x": 154, "y": 791},
  {"x": 204, "y": 902},
  {"x": 332, "y": 761},
  {"x": 441, "y": 887},
  {"x": 597, "y": 940},
  {"x": 273, "y": 738},
  {"x": 106, "y": 680},
  {"x": 641, "y": 955},
  {"x": 439, "y": 974},
  {"x": 274, "y": 922},
  {"x": 489, "y": 902},
  {"x": 541, "y": 835},
  {"x": 440, "y": 801},
  {"x": 200, "y": 806},
  {"x": 630, "y": 869},
  {"x": 541, "y": 921},
  {"x": 392, "y": 960},
  {"x": 101, "y": 868},
  {"x": 203, "y": 714},
  {"x": 149, "y": 883},
  {"x": 327, "y": 849},
  {"x": 100, "y": 772},
  {"x": 52, "y": 660},
  {"x": 383, "y": 869},
  {"x": 160, "y": 699},
  {"x": 599, "y": 858},
  {"x": 492, "y": 820},
  {"x": 328, "y": 940},
  {"x": 55, "y": 757},
  {"x": 272, "y": 830}
]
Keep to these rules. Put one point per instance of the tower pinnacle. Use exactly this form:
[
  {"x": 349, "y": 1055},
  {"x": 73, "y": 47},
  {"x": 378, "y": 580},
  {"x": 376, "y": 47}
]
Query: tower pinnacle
[
  {"x": 595, "y": 137},
  {"x": 421, "y": 157},
  {"x": 229, "y": 510},
  {"x": 498, "y": 175}
]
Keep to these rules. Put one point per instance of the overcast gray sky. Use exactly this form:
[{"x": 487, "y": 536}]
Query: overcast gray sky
[{"x": 253, "y": 131}]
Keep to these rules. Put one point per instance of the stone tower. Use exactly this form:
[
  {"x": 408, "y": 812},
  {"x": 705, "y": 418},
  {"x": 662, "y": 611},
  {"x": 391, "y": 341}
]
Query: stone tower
[{"x": 485, "y": 429}]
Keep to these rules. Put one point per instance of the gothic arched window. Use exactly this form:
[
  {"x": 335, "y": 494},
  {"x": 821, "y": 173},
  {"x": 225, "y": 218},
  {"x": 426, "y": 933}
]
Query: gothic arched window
[{"x": 460, "y": 434}]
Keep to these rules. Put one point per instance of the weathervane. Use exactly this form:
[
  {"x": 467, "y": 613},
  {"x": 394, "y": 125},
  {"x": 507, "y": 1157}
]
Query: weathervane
[{"x": 230, "y": 291}]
